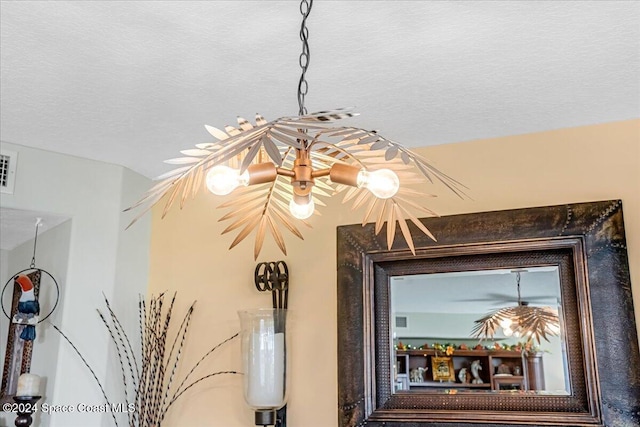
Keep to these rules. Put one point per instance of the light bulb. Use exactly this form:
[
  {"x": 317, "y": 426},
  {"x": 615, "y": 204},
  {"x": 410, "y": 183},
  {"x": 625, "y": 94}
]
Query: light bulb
[
  {"x": 507, "y": 332},
  {"x": 222, "y": 180},
  {"x": 302, "y": 210},
  {"x": 506, "y": 323},
  {"x": 383, "y": 183}
]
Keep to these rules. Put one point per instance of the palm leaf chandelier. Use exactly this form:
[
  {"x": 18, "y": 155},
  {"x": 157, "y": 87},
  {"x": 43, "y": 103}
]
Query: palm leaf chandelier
[
  {"x": 285, "y": 167},
  {"x": 521, "y": 320}
]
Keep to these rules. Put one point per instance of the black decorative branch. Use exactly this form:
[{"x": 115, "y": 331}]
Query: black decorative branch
[{"x": 153, "y": 393}]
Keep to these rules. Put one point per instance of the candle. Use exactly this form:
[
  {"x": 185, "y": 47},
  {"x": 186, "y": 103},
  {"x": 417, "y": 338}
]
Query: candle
[
  {"x": 265, "y": 372},
  {"x": 28, "y": 385}
]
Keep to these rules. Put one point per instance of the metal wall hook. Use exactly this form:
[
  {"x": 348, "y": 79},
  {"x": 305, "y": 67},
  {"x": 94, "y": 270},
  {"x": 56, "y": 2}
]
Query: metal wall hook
[{"x": 274, "y": 277}]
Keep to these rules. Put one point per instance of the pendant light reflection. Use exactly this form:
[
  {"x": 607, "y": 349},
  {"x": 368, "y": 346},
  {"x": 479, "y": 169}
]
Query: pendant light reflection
[{"x": 521, "y": 320}]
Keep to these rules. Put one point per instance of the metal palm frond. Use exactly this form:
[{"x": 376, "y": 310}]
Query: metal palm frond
[{"x": 265, "y": 206}]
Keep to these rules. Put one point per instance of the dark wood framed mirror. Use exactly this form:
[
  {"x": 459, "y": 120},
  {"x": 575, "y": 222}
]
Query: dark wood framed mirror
[{"x": 584, "y": 242}]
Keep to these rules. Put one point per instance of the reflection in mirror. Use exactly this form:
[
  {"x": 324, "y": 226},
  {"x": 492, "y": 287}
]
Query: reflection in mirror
[{"x": 433, "y": 318}]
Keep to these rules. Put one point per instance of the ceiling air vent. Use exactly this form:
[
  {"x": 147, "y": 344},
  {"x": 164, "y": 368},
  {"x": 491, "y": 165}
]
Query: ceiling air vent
[
  {"x": 401, "y": 321},
  {"x": 8, "y": 160}
]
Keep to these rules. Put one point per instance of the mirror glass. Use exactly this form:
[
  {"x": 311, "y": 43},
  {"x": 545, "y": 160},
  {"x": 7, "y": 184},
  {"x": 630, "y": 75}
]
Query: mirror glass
[{"x": 433, "y": 316}]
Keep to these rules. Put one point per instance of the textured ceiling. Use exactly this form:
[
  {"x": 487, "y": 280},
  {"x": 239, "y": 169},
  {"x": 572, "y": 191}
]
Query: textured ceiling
[{"x": 132, "y": 82}]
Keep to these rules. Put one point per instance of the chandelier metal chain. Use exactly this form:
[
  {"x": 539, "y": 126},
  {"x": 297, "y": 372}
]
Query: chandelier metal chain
[{"x": 305, "y": 56}]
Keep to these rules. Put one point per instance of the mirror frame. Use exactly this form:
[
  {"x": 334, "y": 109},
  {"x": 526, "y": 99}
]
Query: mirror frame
[{"x": 586, "y": 240}]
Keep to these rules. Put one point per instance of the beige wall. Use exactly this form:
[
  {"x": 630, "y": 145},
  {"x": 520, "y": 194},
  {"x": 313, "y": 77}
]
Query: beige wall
[{"x": 189, "y": 255}]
